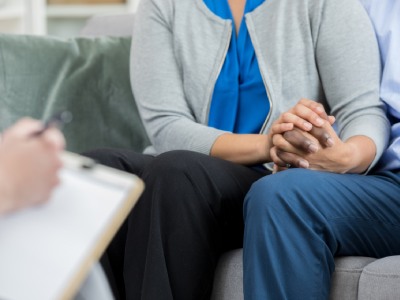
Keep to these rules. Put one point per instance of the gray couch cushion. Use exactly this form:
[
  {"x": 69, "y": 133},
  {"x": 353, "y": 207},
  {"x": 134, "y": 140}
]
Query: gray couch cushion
[
  {"x": 346, "y": 277},
  {"x": 380, "y": 280},
  {"x": 228, "y": 283}
]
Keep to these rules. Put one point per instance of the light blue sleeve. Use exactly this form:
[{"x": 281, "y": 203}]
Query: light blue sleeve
[{"x": 385, "y": 17}]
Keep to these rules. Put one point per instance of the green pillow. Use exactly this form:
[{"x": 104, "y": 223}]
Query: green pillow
[{"x": 40, "y": 76}]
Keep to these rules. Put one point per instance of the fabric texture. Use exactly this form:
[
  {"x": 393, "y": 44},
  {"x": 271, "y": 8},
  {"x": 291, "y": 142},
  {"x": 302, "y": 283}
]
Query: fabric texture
[
  {"x": 345, "y": 279},
  {"x": 380, "y": 280},
  {"x": 88, "y": 76},
  {"x": 228, "y": 282},
  {"x": 314, "y": 56}
]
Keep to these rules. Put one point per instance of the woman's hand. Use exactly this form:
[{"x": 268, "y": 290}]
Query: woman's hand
[
  {"x": 28, "y": 165},
  {"x": 308, "y": 116}
]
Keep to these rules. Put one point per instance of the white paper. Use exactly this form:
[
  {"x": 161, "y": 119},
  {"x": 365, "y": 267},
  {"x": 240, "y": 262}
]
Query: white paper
[{"x": 41, "y": 248}]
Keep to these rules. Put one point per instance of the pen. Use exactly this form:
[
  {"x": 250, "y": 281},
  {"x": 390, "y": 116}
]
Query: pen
[{"x": 58, "y": 120}]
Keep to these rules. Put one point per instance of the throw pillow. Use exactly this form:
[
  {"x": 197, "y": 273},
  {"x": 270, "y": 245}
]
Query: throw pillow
[{"x": 41, "y": 75}]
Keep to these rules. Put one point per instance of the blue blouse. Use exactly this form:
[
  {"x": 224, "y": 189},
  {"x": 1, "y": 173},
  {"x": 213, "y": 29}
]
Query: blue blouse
[{"x": 240, "y": 103}]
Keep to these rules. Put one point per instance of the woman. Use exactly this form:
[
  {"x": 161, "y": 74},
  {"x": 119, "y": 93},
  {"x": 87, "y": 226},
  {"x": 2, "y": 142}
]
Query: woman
[{"x": 215, "y": 81}]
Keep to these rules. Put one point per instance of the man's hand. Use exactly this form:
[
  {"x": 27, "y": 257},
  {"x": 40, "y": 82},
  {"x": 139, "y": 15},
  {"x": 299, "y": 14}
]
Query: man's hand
[
  {"x": 301, "y": 149},
  {"x": 300, "y": 142},
  {"x": 28, "y": 165}
]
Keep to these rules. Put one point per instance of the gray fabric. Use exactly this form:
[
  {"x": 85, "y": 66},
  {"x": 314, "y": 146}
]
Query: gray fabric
[
  {"x": 317, "y": 55},
  {"x": 228, "y": 283},
  {"x": 380, "y": 280},
  {"x": 346, "y": 276}
]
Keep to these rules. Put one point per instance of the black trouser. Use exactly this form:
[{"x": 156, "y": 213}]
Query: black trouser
[{"x": 190, "y": 212}]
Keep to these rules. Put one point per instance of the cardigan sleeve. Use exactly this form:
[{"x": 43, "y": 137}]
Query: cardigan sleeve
[
  {"x": 157, "y": 83},
  {"x": 348, "y": 62}
]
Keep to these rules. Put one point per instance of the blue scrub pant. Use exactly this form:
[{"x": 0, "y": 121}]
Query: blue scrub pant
[{"x": 297, "y": 220}]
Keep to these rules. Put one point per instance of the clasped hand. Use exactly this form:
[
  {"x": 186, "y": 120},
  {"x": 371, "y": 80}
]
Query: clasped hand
[{"x": 304, "y": 137}]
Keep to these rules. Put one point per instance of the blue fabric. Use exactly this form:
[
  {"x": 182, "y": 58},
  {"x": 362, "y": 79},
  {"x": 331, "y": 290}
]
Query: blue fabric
[
  {"x": 240, "y": 103},
  {"x": 297, "y": 220},
  {"x": 385, "y": 16}
]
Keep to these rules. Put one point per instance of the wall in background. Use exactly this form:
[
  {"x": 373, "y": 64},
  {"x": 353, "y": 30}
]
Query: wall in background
[{"x": 56, "y": 17}]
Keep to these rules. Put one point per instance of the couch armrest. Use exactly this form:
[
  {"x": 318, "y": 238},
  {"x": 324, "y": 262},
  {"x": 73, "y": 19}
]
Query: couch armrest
[{"x": 381, "y": 279}]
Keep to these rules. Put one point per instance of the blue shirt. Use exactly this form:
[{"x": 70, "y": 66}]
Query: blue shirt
[
  {"x": 385, "y": 17},
  {"x": 239, "y": 103}
]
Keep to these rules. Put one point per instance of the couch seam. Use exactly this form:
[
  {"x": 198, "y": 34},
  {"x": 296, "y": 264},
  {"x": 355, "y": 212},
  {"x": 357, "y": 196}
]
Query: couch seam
[
  {"x": 349, "y": 271},
  {"x": 378, "y": 274}
]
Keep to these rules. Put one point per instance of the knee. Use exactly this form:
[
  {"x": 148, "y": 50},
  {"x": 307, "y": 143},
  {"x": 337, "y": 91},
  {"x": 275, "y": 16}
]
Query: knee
[
  {"x": 290, "y": 193},
  {"x": 258, "y": 198},
  {"x": 105, "y": 156},
  {"x": 121, "y": 159},
  {"x": 176, "y": 177},
  {"x": 175, "y": 173},
  {"x": 173, "y": 166}
]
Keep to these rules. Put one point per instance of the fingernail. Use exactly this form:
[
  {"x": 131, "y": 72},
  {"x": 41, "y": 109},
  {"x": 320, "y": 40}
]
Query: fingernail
[
  {"x": 319, "y": 121},
  {"x": 307, "y": 126},
  {"x": 330, "y": 142},
  {"x": 313, "y": 148},
  {"x": 274, "y": 169},
  {"x": 304, "y": 164}
]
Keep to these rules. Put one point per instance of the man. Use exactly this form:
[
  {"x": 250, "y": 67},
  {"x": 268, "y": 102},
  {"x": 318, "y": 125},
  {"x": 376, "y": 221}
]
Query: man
[
  {"x": 385, "y": 17},
  {"x": 297, "y": 234}
]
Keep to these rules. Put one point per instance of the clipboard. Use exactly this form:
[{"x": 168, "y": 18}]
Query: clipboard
[{"x": 47, "y": 251}]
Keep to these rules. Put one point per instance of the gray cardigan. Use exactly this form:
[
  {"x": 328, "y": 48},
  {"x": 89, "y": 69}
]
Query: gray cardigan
[{"x": 323, "y": 50}]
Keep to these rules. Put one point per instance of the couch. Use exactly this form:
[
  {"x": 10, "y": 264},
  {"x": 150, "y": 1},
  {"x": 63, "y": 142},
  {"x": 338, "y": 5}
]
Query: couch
[{"x": 89, "y": 75}]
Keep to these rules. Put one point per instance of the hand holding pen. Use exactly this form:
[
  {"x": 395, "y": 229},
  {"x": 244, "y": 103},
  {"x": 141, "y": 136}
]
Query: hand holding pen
[
  {"x": 29, "y": 163},
  {"x": 58, "y": 120}
]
